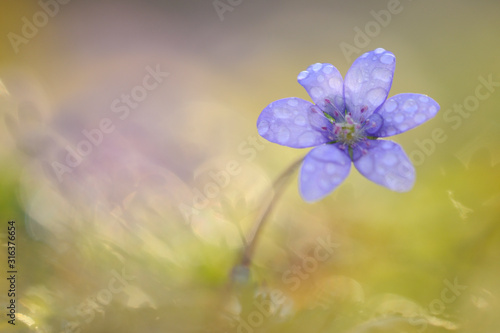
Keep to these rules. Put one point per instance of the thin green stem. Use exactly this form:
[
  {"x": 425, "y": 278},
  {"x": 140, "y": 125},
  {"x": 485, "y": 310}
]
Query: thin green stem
[
  {"x": 240, "y": 272},
  {"x": 278, "y": 186}
]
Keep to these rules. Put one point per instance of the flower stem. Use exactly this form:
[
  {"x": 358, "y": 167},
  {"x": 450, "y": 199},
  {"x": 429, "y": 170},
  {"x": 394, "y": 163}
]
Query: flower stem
[
  {"x": 240, "y": 273},
  {"x": 278, "y": 186}
]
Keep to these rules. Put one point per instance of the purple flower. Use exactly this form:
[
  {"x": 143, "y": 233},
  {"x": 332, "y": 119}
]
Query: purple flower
[{"x": 345, "y": 122}]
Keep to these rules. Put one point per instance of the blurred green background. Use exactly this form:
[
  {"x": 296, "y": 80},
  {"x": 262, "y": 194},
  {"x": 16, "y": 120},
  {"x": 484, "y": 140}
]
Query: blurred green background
[{"x": 141, "y": 234}]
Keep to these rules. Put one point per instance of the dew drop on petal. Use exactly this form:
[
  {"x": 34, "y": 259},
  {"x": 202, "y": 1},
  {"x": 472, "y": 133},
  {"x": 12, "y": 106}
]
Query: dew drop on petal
[
  {"x": 325, "y": 184},
  {"x": 309, "y": 167},
  {"x": 334, "y": 83},
  {"x": 328, "y": 69},
  {"x": 316, "y": 67},
  {"x": 316, "y": 92},
  {"x": 307, "y": 139},
  {"x": 380, "y": 170},
  {"x": 365, "y": 165},
  {"x": 379, "y": 50},
  {"x": 376, "y": 96},
  {"x": 263, "y": 127},
  {"x": 282, "y": 113},
  {"x": 300, "y": 120},
  {"x": 399, "y": 118},
  {"x": 382, "y": 74},
  {"x": 386, "y": 145},
  {"x": 362, "y": 78},
  {"x": 387, "y": 59},
  {"x": 403, "y": 127},
  {"x": 424, "y": 99},
  {"x": 390, "y": 105},
  {"x": 338, "y": 101},
  {"x": 390, "y": 131},
  {"x": 330, "y": 168},
  {"x": 302, "y": 75},
  {"x": 293, "y": 102},
  {"x": 410, "y": 106},
  {"x": 390, "y": 159},
  {"x": 283, "y": 135},
  {"x": 336, "y": 179},
  {"x": 432, "y": 109}
]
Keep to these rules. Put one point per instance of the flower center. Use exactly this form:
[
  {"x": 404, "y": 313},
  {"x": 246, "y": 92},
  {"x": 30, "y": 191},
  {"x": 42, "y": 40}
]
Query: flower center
[{"x": 348, "y": 132}]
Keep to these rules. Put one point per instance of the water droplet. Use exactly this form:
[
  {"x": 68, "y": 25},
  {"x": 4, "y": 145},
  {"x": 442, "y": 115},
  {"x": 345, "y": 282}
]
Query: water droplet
[
  {"x": 365, "y": 164},
  {"x": 330, "y": 169},
  {"x": 390, "y": 159},
  {"x": 386, "y": 145},
  {"x": 390, "y": 131},
  {"x": 282, "y": 113},
  {"x": 316, "y": 92},
  {"x": 336, "y": 179},
  {"x": 328, "y": 69},
  {"x": 424, "y": 99},
  {"x": 380, "y": 169},
  {"x": 307, "y": 139},
  {"x": 335, "y": 83},
  {"x": 300, "y": 120},
  {"x": 399, "y": 118},
  {"x": 321, "y": 78},
  {"x": 387, "y": 59},
  {"x": 339, "y": 102},
  {"x": 403, "y": 127},
  {"x": 263, "y": 127},
  {"x": 362, "y": 77},
  {"x": 293, "y": 102},
  {"x": 325, "y": 184},
  {"x": 390, "y": 105},
  {"x": 410, "y": 105},
  {"x": 376, "y": 96},
  {"x": 283, "y": 135},
  {"x": 309, "y": 167},
  {"x": 302, "y": 75},
  {"x": 316, "y": 67},
  {"x": 382, "y": 74},
  {"x": 379, "y": 50}
]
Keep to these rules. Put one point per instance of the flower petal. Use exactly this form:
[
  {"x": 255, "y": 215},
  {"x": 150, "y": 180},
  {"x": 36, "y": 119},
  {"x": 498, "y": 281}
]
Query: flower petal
[
  {"x": 367, "y": 82},
  {"x": 286, "y": 122},
  {"x": 324, "y": 168},
  {"x": 325, "y": 85},
  {"x": 405, "y": 111},
  {"x": 320, "y": 123},
  {"x": 385, "y": 163}
]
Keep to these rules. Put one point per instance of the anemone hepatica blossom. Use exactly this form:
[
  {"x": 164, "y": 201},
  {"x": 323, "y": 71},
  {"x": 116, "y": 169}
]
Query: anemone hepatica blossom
[{"x": 345, "y": 122}]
